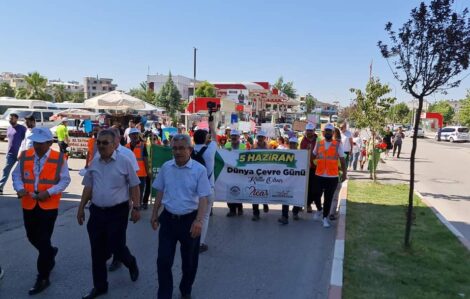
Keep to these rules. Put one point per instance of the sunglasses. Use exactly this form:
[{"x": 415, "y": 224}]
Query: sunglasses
[{"x": 105, "y": 142}]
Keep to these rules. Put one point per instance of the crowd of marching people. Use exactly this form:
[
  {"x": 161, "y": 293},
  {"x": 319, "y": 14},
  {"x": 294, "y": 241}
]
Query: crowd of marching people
[{"x": 117, "y": 181}]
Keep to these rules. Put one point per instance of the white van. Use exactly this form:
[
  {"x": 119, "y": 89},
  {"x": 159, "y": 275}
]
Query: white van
[
  {"x": 7, "y": 102},
  {"x": 454, "y": 134},
  {"x": 41, "y": 115}
]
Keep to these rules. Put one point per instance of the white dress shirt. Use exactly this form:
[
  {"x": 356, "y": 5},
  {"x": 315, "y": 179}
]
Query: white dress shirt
[{"x": 127, "y": 153}]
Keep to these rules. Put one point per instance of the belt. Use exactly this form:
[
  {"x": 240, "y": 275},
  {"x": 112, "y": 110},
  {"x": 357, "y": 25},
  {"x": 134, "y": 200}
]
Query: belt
[
  {"x": 180, "y": 217},
  {"x": 119, "y": 205}
]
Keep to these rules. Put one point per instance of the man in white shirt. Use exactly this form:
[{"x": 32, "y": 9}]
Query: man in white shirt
[
  {"x": 208, "y": 148},
  {"x": 126, "y": 131},
  {"x": 356, "y": 150},
  {"x": 346, "y": 142},
  {"x": 27, "y": 142}
]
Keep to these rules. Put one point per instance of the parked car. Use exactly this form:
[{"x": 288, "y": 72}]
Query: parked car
[
  {"x": 41, "y": 116},
  {"x": 454, "y": 134},
  {"x": 410, "y": 132}
]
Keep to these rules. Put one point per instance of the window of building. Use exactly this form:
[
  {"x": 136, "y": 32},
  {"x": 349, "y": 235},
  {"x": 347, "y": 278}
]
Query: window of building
[
  {"x": 95, "y": 82},
  {"x": 94, "y": 88},
  {"x": 104, "y": 87}
]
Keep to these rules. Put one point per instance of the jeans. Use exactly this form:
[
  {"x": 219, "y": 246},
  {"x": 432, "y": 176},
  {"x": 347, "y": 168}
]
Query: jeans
[
  {"x": 347, "y": 156},
  {"x": 354, "y": 160},
  {"x": 174, "y": 229},
  {"x": 11, "y": 160},
  {"x": 39, "y": 225},
  {"x": 395, "y": 147},
  {"x": 205, "y": 224}
]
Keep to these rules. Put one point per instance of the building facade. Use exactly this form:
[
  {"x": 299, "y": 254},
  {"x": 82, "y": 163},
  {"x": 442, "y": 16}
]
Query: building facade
[
  {"x": 94, "y": 86},
  {"x": 183, "y": 84}
]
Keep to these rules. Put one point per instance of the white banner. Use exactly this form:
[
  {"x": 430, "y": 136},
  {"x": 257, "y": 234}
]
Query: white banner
[{"x": 262, "y": 176}]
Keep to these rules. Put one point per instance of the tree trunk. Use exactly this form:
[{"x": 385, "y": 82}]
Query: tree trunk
[{"x": 409, "y": 214}]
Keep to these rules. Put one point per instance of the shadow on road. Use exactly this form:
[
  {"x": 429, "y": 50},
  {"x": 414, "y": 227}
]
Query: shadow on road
[{"x": 446, "y": 197}]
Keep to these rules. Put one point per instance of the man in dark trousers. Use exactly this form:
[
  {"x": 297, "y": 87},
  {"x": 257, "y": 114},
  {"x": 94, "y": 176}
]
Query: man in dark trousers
[
  {"x": 185, "y": 202},
  {"x": 39, "y": 179},
  {"x": 109, "y": 183},
  {"x": 260, "y": 144},
  {"x": 309, "y": 142}
]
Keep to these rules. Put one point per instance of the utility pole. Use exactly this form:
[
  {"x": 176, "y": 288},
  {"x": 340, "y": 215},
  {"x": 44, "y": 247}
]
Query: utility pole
[{"x": 194, "y": 81}]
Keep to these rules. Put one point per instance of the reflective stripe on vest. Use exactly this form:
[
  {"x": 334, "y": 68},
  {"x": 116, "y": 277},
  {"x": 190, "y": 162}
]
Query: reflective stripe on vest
[
  {"x": 48, "y": 177},
  {"x": 139, "y": 156},
  {"x": 327, "y": 160}
]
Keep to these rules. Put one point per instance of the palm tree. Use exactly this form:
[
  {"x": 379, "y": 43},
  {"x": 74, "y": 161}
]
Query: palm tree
[
  {"x": 21, "y": 93},
  {"x": 36, "y": 86},
  {"x": 59, "y": 93},
  {"x": 144, "y": 93}
]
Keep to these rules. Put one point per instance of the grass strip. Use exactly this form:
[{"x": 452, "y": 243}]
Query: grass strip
[{"x": 376, "y": 263}]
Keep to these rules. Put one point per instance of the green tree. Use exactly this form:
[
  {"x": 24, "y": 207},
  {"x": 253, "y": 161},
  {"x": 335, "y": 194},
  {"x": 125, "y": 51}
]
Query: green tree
[
  {"x": 399, "y": 113},
  {"x": 444, "y": 108},
  {"x": 205, "y": 90},
  {"x": 21, "y": 93},
  {"x": 286, "y": 88},
  {"x": 36, "y": 86},
  {"x": 371, "y": 108},
  {"x": 427, "y": 53},
  {"x": 6, "y": 90},
  {"x": 169, "y": 98},
  {"x": 144, "y": 93},
  {"x": 310, "y": 103},
  {"x": 59, "y": 94},
  {"x": 464, "y": 113},
  {"x": 77, "y": 97}
]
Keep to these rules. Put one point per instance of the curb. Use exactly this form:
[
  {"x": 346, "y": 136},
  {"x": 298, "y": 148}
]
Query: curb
[
  {"x": 336, "y": 280},
  {"x": 453, "y": 230}
]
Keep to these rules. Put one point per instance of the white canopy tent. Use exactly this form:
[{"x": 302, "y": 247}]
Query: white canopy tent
[{"x": 115, "y": 100}]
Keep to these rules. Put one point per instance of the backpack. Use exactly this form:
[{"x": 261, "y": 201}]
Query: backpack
[{"x": 197, "y": 156}]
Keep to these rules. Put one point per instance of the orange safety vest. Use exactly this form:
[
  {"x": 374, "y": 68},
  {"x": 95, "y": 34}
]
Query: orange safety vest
[
  {"x": 327, "y": 160},
  {"x": 91, "y": 150},
  {"x": 49, "y": 176},
  {"x": 139, "y": 155}
]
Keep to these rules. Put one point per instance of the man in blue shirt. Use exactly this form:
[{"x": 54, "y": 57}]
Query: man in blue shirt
[
  {"x": 183, "y": 190},
  {"x": 15, "y": 135}
]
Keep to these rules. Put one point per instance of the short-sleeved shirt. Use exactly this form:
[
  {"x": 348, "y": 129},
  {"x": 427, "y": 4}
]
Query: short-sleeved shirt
[
  {"x": 182, "y": 186},
  {"x": 346, "y": 140},
  {"x": 110, "y": 180},
  {"x": 62, "y": 132},
  {"x": 15, "y": 136},
  {"x": 327, "y": 146},
  {"x": 129, "y": 154},
  {"x": 209, "y": 159}
]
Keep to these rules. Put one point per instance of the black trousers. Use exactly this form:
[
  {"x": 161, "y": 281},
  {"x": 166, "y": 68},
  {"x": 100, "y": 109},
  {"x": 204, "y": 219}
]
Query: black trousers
[
  {"x": 107, "y": 233},
  {"x": 148, "y": 189},
  {"x": 311, "y": 176},
  {"x": 326, "y": 186},
  {"x": 285, "y": 210},
  {"x": 175, "y": 229},
  {"x": 256, "y": 208},
  {"x": 395, "y": 147},
  {"x": 63, "y": 147},
  {"x": 39, "y": 225},
  {"x": 234, "y": 206}
]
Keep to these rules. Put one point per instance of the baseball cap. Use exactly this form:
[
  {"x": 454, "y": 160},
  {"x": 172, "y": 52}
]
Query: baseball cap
[
  {"x": 329, "y": 126},
  {"x": 309, "y": 126},
  {"x": 64, "y": 119},
  {"x": 235, "y": 132},
  {"x": 41, "y": 135},
  {"x": 261, "y": 134},
  {"x": 293, "y": 140},
  {"x": 134, "y": 131}
]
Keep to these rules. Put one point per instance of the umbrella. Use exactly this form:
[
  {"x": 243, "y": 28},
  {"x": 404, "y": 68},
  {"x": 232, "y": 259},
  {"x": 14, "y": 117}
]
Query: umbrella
[
  {"x": 73, "y": 113},
  {"x": 115, "y": 100}
]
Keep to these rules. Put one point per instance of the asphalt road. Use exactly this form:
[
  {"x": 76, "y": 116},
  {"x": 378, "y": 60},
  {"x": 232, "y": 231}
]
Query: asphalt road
[
  {"x": 442, "y": 176},
  {"x": 245, "y": 259}
]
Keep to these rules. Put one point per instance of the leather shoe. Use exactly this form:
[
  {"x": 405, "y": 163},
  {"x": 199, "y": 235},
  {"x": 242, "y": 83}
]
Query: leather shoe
[
  {"x": 231, "y": 214},
  {"x": 134, "y": 270},
  {"x": 95, "y": 293},
  {"x": 39, "y": 286},
  {"x": 115, "y": 264}
]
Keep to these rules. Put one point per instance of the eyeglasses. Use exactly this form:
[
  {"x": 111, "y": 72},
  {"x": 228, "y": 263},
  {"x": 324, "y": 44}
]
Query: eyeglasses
[
  {"x": 105, "y": 142},
  {"x": 178, "y": 148}
]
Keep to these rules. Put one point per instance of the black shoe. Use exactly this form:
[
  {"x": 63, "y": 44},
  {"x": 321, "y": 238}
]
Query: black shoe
[
  {"x": 332, "y": 217},
  {"x": 95, "y": 293},
  {"x": 231, "y": 214},
  {"x": 115, "y": 264},
  {"x": 39, "y": 286},
  {"x": 134, "y": 270},
  {"x": 187, "y": 296},
  {"x": 211, "y": 213},
  {"x": 203, "y": 248},
  {"x": 255, "y": 218},
  {"x": 145, "y": 206},
  {"x": 240, "y": 212},
  {"x": 296, "y": 217},
  {"x": 283, "y": 220},
  {"x": 265, "y": 208}
]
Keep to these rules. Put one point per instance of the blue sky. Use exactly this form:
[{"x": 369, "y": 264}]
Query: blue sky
[{"x": 325, "y": 47}]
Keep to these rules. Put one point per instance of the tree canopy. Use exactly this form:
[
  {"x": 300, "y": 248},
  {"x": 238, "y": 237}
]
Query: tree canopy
[
  {"x": 36, "y": 87},
  {"x": 205, "y": 90},
  {"x": 169, "y": 98},
  {"x": 444, "y": 108},
  {"x": 310, "y": 103},
  {"x": 144, "y": 93},
  {"x": 286, "y": 88},
  {"x": 6, "y": 90},
  {"x": 399, "y": 113},
  {"x": 464, "y": 113}
]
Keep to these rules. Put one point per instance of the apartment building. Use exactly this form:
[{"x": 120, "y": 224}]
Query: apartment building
[{"x": 93, "y": 86}]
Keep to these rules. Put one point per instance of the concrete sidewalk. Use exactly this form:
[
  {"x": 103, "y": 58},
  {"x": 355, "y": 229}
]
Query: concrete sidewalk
[{"x": 246, "y": 259}]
